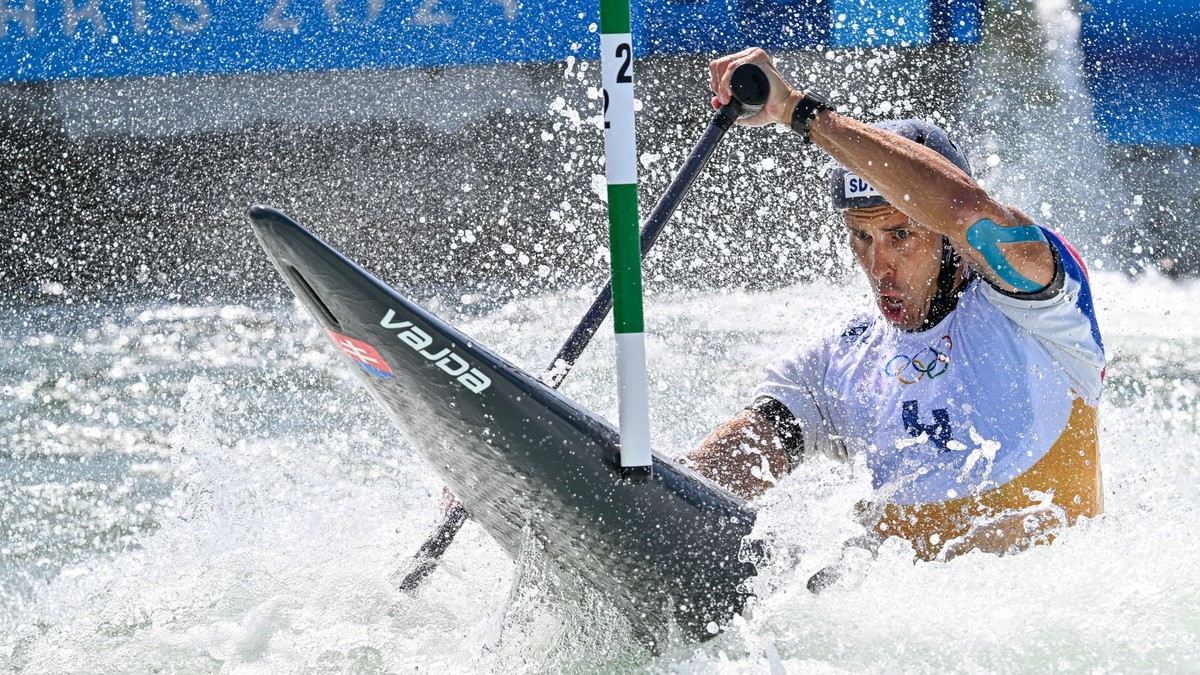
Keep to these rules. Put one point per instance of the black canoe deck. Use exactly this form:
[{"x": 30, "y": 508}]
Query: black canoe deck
[{"x": 519, "y": 453}]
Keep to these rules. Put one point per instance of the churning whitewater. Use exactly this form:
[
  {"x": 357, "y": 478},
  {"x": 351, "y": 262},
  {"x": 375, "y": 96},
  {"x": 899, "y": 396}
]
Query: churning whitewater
[{"x": 271, "y": 533}]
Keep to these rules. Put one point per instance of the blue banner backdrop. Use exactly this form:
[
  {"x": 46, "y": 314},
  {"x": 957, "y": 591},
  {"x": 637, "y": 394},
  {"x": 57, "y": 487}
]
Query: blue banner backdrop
[
  {"x": 46, "y": 40},
  {"x": 1142, "y": 64}
]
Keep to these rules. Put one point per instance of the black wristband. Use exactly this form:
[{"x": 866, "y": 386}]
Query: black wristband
[
  {"x": 805, "y": 111},
  {"x": 787, "y": 430}
]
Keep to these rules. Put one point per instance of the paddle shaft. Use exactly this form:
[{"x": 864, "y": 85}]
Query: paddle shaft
[
  {"x": 431, "y": 551},
  {"x": 579, "y": 339},
  {"x": 750, "y": 83}
]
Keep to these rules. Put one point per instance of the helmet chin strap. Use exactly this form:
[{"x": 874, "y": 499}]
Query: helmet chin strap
[{"x": 945, "y": 298}]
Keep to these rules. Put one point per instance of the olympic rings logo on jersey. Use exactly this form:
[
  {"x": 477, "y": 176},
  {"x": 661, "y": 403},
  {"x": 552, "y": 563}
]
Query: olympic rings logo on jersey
[{"x": 930, "y": 362}]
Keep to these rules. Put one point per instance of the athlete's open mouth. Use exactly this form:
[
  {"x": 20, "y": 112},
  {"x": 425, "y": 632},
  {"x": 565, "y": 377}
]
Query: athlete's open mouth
[{"x": 892, "y": 306}]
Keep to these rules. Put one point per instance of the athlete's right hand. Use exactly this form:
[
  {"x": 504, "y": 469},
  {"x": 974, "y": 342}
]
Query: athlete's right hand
[{"x": 781, "y": 100}]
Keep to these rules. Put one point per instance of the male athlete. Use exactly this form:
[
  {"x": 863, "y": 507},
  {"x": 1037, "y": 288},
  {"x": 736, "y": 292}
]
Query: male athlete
[{"x": 973, "y": 392}]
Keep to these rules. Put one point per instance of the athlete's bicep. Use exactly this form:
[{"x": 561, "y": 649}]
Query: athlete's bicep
[{"x": 1009, "y": 250}]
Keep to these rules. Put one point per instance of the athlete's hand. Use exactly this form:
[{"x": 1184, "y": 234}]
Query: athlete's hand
[{"x": 781, "y": 100}]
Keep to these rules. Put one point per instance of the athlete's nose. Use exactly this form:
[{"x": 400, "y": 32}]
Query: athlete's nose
[{"x": 882, "y": 265}]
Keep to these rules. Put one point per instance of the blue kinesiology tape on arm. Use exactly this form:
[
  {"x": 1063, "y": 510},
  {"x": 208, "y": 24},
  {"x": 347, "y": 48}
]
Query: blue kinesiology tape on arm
[{"x": 986, "y": 236}]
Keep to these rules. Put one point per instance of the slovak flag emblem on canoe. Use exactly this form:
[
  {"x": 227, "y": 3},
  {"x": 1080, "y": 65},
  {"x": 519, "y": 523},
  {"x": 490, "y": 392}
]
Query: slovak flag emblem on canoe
[{"x": 362, "y": 353}]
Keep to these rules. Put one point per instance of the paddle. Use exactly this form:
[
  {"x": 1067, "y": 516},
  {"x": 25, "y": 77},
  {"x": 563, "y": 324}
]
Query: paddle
[{"x": 750, "y": 90}]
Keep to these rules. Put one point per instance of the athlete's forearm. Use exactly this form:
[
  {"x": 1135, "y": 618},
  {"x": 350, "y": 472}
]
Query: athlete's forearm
[
  {"x": 919, "y": 181},
  {"x": 923, "y": 184},
  {"x": 1000, "y": 242},
  {"x": 742, "y": 455}
]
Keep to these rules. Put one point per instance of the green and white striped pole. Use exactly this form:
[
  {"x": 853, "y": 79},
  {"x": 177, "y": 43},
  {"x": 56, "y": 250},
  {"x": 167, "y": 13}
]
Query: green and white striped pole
[{"x": 620, "y": 152}]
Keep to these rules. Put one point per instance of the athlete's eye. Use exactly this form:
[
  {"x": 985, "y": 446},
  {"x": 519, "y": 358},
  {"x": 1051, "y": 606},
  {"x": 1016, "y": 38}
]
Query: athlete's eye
[{"x": 902, "y": 234}]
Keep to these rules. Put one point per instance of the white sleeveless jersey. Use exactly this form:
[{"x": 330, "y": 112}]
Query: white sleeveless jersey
[{"x": 957, "y": 409}]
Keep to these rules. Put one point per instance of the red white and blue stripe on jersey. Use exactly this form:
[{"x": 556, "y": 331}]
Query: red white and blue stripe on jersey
[{"x": 1076, "y": 269}]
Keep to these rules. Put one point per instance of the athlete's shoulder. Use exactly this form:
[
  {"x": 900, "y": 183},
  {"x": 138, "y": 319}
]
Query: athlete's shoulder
[{"x": 1062, "y": 317}]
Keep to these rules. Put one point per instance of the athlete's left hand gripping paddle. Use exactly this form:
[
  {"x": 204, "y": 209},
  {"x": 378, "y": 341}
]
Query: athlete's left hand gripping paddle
[
  {"x": 750, "y": 88},
  {"x": 750, "y": 91}
]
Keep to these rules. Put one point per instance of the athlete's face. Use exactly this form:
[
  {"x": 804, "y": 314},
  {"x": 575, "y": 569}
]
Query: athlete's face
[{"x": 901, "y": 260}]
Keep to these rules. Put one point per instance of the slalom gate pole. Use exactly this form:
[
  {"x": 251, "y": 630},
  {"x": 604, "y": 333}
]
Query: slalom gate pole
[
  {"x": 750, "y": 89},
  {"x": 620, "y": 154}
]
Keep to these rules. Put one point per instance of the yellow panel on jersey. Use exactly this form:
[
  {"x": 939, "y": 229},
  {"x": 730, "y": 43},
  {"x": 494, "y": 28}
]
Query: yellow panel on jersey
[{"x": 1070, "y": 470}]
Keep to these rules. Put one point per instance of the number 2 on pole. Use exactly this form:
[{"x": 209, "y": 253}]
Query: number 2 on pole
[{"x": 625, "y": 53}]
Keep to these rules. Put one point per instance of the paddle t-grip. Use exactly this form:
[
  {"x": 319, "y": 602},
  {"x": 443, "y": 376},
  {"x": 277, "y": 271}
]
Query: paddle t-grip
[{"x": 750, "y": 88}]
